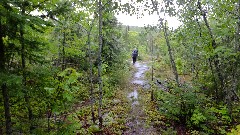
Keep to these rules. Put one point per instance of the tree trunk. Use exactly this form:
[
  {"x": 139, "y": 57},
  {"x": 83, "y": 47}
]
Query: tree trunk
[
  {"x": 7, "y": 109},
  {"x": 49, "y": 114},
  {"x": 4, "y": 86},
  {"x": 173, "y": 64},
  {"x": 2, "y": 48},
  {"x": 91, "y": 73},
  {"x": 24, "y": 84},
  {"x": 214, "y": 45},
  {"x": 214, "y": 80},
  {"x": 151, "y": 40},
  {"x": 100, "y": 64},
  {"x": 63, "y": 50}
]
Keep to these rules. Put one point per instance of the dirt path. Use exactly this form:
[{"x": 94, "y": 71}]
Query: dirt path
[{"x": 136, "y": 121}]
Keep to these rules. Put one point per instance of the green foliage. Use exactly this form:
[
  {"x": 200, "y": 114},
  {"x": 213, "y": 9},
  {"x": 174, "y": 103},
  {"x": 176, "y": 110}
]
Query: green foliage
[
  {"x": 66, "y": 90},
  {"x": 94, "y": 129},
  {"x": 180, "y": 65},
  {"x": 169, "y": 131},
  {"x": 180, "y": 105},
  {"x": 10, "y": 79},
  {"x": 222, "y": 114},
  {"x": 197, "y": 117},
  {"x": 235, "y": 131},
  {"x": 46, "y": 35},
  {"x": 186, "y": 104}
]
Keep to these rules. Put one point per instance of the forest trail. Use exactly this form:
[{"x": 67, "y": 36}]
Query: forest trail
[{"x": 136, "y": 121}]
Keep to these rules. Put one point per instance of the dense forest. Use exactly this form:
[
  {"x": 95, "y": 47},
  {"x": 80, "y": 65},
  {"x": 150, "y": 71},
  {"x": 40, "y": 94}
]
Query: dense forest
[{"x": 65, "y": 67}]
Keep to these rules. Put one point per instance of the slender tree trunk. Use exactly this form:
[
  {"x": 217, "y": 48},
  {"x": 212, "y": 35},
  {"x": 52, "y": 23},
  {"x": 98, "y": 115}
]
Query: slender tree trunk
[
  {"x": 7, "y": 109},
  {"x": 24, "y": 80},
  {"x": 4, "y": 85},
  {"x": 155, "y": 6},
  {"x": 91, "y": 73},
  {"x": 152, "y": 98},
  {"x": 214, "y": 80},
  {"x": 49, "y": 115},
  {"x": 63, "y": 50},
  {"x": 173, "y": 64},
  {"x": 2, "y": 48},
  {"x": 100, "y": 64},
  {"x": 214, "y": 45}
]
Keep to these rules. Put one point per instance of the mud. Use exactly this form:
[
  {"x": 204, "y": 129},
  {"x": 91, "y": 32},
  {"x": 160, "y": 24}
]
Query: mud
[{"x": 136, "y": 122}]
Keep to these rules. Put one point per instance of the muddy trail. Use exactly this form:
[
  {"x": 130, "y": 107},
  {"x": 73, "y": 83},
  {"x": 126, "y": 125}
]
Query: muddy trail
[{"x": 136, "y": 121}]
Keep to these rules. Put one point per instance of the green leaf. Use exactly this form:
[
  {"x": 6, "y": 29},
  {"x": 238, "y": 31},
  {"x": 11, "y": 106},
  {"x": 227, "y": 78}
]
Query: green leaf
[
  {"x": 50, "y": 90},
  {"x": 67, "y": 96},
  {"x": 72, "y": 79}
]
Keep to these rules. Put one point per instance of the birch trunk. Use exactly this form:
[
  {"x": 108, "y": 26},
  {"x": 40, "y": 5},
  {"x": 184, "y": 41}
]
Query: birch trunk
[{"x": 91, "y": 74}]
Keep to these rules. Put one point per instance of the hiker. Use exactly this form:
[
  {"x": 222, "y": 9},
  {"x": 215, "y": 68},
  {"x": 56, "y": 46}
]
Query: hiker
[{"x": 134, "y": 55}]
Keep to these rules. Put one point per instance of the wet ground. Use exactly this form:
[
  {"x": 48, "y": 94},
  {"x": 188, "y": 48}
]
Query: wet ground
[{"x": 137, "y": 118}]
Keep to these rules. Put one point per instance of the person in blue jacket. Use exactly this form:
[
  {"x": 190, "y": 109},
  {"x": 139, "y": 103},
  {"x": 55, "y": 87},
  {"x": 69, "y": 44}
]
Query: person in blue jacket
[{"x": 134, "y": 55}]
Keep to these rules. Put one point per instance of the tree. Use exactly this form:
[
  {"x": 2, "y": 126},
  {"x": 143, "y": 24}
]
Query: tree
[
  {"x": 165, "y": 30},
  {"x": 100, "y": 36}
]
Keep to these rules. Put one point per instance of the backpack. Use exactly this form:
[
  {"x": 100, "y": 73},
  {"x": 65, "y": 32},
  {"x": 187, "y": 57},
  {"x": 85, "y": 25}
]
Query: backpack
[{"x": 135, "y": 53}]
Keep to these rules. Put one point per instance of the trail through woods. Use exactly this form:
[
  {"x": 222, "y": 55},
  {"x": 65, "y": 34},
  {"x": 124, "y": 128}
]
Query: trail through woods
[{"x": 136, "y": 121}]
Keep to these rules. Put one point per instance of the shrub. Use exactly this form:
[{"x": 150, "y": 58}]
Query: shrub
[{"x": 188, "y": 106}]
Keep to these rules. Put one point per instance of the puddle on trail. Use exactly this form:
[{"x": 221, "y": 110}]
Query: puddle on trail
[
  {"x": 136, "y": 122},
  {"x": 139, "y": 82},
  {"x": 138, "y": 79},
  {"x": 141, "y": 69},
  {"x": 134, "y": 97}
]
